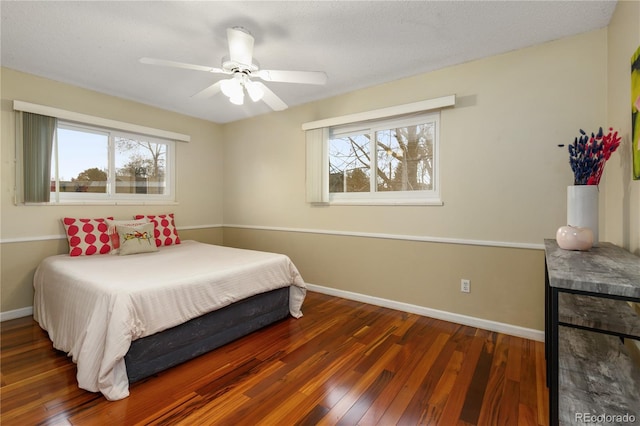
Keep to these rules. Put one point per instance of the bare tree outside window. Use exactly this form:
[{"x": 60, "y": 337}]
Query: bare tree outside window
[
  {"x": 405, "y": 158},
  {"x": 349, "y": 164},
  {"x": 140, "y": 166},
  {"x": 402, "y": 161}
]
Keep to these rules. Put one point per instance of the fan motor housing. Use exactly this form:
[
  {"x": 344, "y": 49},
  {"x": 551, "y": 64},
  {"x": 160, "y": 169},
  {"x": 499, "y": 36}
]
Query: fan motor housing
[{"x": 232, "y": 66}]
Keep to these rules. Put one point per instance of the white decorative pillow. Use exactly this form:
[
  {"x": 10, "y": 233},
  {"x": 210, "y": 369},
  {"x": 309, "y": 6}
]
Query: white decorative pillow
[
  {"x": 165, "y": 231},
  {"x": 136, "y": 239},
  {"x": 113, "y": 231}
]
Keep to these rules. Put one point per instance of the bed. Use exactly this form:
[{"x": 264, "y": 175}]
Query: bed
[{"x": 124, "y": 318}]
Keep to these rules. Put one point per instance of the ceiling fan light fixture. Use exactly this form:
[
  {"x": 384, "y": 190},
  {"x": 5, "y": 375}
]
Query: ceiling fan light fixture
[
  {"x": 232, "y": 88},
  {"x": 237, "y": 99},
  {"x": 254, "y": 90}
]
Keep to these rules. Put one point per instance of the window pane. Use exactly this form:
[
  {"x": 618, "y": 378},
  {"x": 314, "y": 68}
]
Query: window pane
[
  {"x": 82, "y": 161},
  {"x": 140, "y": 166},
  {"x": 349, "y": 164},
  {"x": 405, "y": 158}
]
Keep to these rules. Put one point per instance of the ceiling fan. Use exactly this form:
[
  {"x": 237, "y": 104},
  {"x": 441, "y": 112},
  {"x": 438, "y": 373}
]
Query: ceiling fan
[{"x": 242, "y": 67}]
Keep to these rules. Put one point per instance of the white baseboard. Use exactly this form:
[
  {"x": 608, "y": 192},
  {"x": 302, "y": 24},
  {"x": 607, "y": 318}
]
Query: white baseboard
[
  {"x": 16, "y": 313},
  {"x": 513, "y": 330}
]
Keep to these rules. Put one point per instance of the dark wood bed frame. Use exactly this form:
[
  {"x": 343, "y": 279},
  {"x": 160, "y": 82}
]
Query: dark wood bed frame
[{"x": 152, "y": 354}]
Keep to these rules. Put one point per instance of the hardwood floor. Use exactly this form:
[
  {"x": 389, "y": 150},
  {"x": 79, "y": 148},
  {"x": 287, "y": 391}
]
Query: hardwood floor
[{"x": 343, "y": 363}]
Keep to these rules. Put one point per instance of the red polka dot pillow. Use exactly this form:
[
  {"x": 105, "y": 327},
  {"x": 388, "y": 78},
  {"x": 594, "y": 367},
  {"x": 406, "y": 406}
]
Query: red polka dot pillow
[
  {"x": 165, "y": 230},
  {"x": 87, "y": 236}
]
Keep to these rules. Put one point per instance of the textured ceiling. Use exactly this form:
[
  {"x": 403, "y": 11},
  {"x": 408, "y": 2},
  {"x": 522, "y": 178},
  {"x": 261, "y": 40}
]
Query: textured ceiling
[{"x": 97, "y": 45}]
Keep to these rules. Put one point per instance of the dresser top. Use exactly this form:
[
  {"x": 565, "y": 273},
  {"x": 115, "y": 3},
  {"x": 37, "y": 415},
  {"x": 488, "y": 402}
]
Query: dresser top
[{"x": 606, "y": 269}]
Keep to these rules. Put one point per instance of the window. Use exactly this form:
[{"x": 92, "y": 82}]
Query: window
[
  {"x": 392, "y": 160},
  {"x": 378, "y": 157},
  {"x": 97, "y": 164},
  {"x": 69, "y": 157}
]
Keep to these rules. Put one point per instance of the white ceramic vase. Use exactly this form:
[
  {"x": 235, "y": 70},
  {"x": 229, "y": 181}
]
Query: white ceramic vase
[
  {"x": 582, "y": 208},
  {"x": 574, "y": 238}
]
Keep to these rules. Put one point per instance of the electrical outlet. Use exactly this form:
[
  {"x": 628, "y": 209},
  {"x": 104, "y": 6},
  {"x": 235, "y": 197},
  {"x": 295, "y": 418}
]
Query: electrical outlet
[{"x": 465, "y": 286}]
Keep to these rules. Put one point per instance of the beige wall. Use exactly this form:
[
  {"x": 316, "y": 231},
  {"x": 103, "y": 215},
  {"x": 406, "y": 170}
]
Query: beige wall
[
  {"x": 503, "y": 181},
  {"x": 24, "y": 229},
  {"x": 506, "y": 283},
  {"x": 622, "y": 193}
]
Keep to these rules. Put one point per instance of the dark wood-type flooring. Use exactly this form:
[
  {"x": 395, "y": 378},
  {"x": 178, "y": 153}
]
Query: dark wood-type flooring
[{"x": 344, "y": 363}]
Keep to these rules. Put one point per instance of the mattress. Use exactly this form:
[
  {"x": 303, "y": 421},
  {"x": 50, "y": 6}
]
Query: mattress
[{"x": 93, "y": 307}]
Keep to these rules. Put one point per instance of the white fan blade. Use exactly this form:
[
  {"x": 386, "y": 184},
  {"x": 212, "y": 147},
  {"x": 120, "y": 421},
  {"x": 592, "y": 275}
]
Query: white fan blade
[
  {"x": 270, "y": 98},
  {"x": 302, "y": 77},
  {"x": 240, "y": 45},
  {"x": 209, "y": 91},
  {"x": 174, "y": 64}
]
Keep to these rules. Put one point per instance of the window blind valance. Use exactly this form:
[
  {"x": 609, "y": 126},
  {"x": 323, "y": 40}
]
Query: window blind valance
[
  {"x": 97, "y": 121},
  {"x": 376, "y": 114}
]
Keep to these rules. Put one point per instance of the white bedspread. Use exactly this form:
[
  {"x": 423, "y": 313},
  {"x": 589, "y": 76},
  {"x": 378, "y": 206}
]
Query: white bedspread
[{"x": 93, "y": 307}]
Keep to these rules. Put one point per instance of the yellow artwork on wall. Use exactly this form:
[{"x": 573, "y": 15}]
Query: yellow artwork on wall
[{"x": 635, "y": 115}]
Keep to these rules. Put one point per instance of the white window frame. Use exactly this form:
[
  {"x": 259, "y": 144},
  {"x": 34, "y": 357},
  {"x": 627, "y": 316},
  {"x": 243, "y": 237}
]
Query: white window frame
[
  {"x": 106, "y": 125},
  {"x": 317, "y": 140},
  {"x": 111, "y": 196},
  {"x": 373, "y": 197}
]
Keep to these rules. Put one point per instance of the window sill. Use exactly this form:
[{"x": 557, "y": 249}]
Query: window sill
[
  {"x": 104, "y": 203},
  {"x": 387, "y": 202}
]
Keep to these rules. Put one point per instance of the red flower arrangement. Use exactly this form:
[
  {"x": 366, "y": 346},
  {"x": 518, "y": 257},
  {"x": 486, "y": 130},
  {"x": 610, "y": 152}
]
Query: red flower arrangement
[{"x": 588, "y": 155}]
